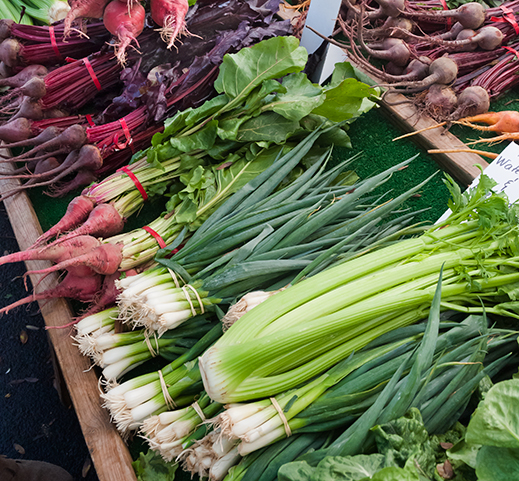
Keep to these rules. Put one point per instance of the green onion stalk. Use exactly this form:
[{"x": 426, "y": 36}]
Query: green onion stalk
[
  {"x": 175, "y": 385},
  {"x": 171, "y": 433},
  {"x": 119, "y": 352},
  {"x": 264, "y": 238},
  {"x": 325, "y": 403},
  {"x": 304, "y": 330},
  {"x": 441, "y": 372}
]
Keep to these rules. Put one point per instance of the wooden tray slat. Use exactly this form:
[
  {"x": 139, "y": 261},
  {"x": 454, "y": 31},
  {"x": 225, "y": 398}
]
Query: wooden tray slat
[{"x": 109, "y": 453}]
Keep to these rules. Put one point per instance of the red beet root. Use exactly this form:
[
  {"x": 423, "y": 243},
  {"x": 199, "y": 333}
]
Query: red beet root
[
  {"x": 126, "y": 23},
  {"x": 77, "y": 212},
  {"x": 103, "y": 221},
  {"x": 56, "y": 253},
  {"x": 170, "y": 15},
  {"x": 24, "y": 75},
  {"x": 104, "y": 260},
  {"x": 83, "y": 9},
  {"x": 16, "y": 131},
  {"x": 73, "y": 287}
]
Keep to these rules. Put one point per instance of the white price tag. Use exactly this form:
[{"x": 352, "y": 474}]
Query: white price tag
[{"x": 505, "y": 171}]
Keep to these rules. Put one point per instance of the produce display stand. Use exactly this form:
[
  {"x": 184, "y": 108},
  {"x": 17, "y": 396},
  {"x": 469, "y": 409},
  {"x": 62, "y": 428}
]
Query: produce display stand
[{"x": 108, "y": 451}]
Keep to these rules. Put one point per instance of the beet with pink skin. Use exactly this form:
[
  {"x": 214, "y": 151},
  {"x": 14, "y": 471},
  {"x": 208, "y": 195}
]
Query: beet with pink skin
[
  {"x": 77, "y": 212},
  {"x": 104, "y": 259},
  {"x": 103, "y": 221},
  {"x": 18, "y": 130},
  {"x": 57, "y": 253},
  {"x": 82, "y": 289}
]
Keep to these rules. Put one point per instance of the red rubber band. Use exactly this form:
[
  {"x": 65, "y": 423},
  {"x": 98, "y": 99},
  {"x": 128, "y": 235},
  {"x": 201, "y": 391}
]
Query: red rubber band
[
  {"x": 508, "y": 16},
  {"x": 157, "y": 237},
  {"x": 446, "y": 7},
  {"x": 70, "y": 60},
  {"x": 90, "y": 69},
  {"x": 135, "y": 180},
  {"x": 53, "y": 42},
  {"x": 512, "y": 50},
  {"x": 127, "y": 134},
  {"x": 88, "y": 118}
]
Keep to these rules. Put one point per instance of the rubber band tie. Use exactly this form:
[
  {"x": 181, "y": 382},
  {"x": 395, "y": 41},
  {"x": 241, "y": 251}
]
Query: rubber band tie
[
  {"x": 512, "y": 50},
  {"x": 88, "y": 118},
  {"x": 156, "y": 235},
  {"x": 127, "y": 134},
  {"x": 508, "y": 16},
  {"x": 446, "y": 7},
  {"x": 288, "y": 431},
  {"x": 167, "y": 397},
  {"x": 53, "y": 42},
  {"x": 135, "y": 180},
  {"x": 93, "y": 76}
]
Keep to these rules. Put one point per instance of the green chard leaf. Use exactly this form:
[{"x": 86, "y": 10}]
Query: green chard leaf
[
  {"x": 345, "y": 101},
  {"x": 301, "y": 96},
  {"x": 203, "y": 139},
  {"x": 268, "y": 126},
  {"x": 151, "y": 467},
  {"x": 497, "y": 464},
  {"x": 348, "y": 468},
  {"x": 242, "y": 72},
  {"x": 496, "y": 419}
]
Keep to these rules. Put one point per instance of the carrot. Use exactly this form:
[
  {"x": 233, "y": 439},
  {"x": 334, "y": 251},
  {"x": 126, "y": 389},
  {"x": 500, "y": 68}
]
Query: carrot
[
  {"x": 82, "y": 289},
  {"x": 501, "y": 122}
]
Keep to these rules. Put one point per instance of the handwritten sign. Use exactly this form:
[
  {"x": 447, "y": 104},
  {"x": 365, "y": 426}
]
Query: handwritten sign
[{"x": 505, "y": 171}]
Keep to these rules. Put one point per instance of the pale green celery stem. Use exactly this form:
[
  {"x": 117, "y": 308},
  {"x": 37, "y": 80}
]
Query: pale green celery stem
[
  {"x": 226, "y": 380},
  {"x": 320, "y": 345},
  {"x": 305, "y": 396},
  {"x": 364, "y": 287},
  {"x": 286, "y": 301},
  {"x": 355, "y": 314}
]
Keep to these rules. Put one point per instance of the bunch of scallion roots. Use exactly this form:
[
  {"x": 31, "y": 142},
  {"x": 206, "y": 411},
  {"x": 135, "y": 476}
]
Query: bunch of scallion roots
[{"x": 340, "y": 303}]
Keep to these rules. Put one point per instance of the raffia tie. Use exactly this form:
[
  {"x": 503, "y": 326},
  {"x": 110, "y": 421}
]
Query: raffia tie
[
  {"x": 288, "y": 431},
  {"x": 167, "y": 397},
  {"x": 199, "y": 411},
  {"x": 153, "y": 352},
  {"x": 174, "y": 276},
  {"x": 188, "y": 297}
]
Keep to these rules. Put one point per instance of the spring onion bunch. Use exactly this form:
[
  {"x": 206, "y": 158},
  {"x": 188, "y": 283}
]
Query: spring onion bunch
[
  {"x": 302, "y": 331},
  {"x": 175, "y": 385},
  {"x": 436, "y": 373},
  {"x": 264, "y": 238},
  {"x": 171, "y": 433},
  {"x": 119, "y": 352}
]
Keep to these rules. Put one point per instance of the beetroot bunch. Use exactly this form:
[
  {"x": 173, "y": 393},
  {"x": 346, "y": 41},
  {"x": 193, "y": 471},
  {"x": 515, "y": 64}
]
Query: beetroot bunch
[{"x": 432, "y": 53}]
